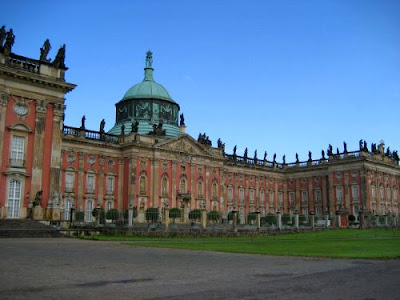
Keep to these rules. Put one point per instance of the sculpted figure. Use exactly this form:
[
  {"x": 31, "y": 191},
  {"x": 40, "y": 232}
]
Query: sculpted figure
[
  {"x": 2, "y": 35},
  {"x": 182, "y": 122},
  {"x": 10, "y": 38},
  {"x": 234, "y": 150},
  {"x": 245, "y": 153},
  {"x": 361, "y": 144},
  {"x": 38, "y": 199},
  {"x": 365, "y": 146},
  {"x": 274, "y": 157},
  {"x": 284, "y": 159},
  {"x": 323, "y": 154},
  {"x": 83, "y": 122},
  {"x": 102, "y": 124},
  {"x": 135, "y": 126},
  {"x": 149, "y": 59},
  {"x": 345, "y": 147},
  {"x": 265, "y": 155},
  {"x": 297, "y": 157},
  {"x": 60, "y": 58},
  {"x": 123, "y": 129},
  {"x": 45, "y": 50},
  {"x": 309, "y": 155}
]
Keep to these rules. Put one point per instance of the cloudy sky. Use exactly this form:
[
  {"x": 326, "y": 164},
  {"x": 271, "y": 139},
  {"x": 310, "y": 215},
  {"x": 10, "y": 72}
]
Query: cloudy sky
[{"x": 276, "y": 76}]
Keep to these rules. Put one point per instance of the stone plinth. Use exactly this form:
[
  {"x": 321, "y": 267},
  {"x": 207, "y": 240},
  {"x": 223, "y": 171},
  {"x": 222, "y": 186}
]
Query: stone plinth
[{"x": 38, "y": 213}]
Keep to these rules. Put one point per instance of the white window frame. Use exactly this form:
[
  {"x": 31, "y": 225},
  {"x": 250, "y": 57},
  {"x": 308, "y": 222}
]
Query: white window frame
[
  {"x": 110, "y": 185},
  {"x": 90, "y": 183},
  {"x": 14, "y": 198},
  {"x": 89, "y": 210},
  {"x": 69, "y": 182},
  {"x": 17, "y": 154}
]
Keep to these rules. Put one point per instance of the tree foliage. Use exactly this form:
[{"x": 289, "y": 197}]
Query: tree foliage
[
  {"x": 152, "y": 214},
  {"x": 195, "y": 214}
]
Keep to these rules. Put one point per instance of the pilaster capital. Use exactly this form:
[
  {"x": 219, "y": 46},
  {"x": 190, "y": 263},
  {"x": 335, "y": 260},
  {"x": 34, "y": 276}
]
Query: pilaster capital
[
  {"x": 4, "y": 97},
  {"x": 41, "y": 106}
]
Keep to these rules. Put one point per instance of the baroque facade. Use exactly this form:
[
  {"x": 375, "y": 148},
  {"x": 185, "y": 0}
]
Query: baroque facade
[{"x": 148, "y": 160}]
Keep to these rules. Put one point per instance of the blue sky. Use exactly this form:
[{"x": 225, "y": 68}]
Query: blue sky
[{"x": 276, "y": 76}]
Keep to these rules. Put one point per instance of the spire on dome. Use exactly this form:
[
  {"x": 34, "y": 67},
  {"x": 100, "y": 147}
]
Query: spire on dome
[{"x": 148, "y": 69}]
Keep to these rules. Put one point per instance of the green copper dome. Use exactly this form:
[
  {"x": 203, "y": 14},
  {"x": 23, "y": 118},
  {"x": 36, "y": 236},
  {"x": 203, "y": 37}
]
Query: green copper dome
[
  {"x": 148, "y": 88},
  {"x": 147, "y": 106}
]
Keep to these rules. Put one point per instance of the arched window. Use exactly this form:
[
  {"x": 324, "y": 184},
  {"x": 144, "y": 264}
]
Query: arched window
[
  {"x": 182, "y": 185},
  {"x": 89, "y": 209},
  {"x": 14, "y": 198},
  {"x": 142, "y": 185},
  {"x": 164, "y": 187},
  {"x": 200, "y": 189}
]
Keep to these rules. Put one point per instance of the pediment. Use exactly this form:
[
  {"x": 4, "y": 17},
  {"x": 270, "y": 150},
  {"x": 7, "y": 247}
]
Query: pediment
[{"x": 185, "y": 144}]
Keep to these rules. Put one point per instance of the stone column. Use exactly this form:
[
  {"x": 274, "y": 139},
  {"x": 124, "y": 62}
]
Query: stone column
[
  {"x": 100, "y": 190},
  {"x": 121, "y": 184},
  {"x": 166, "y": 217},
  {"x": 234, "y": 221},
  {"x": 203, "y": 219},
  {"x": 331, "y": 193},
  {"x": 386, "y": 220},
  {"x": 346, "y": 190},
  {"x": 327, "y": 220},
  {"x": 130, "y": 216},
  {"x": 186, "y": 213},
  {"x": 4, "y": 97},
  {"x": 173, "y": 194},
  {"x": 324, "y": 194},
  {"x": 79, "y": 177},
  {"x": 258, "y": 219},
  {"x": 56, "y": 157},
  {"x": 339, "y": 220},
  {"x": 296, "y": 220},
  {"x": 38, "y": 141},
  {"x": 312, "y": 220},
  {"x": 279, "y": 220}
]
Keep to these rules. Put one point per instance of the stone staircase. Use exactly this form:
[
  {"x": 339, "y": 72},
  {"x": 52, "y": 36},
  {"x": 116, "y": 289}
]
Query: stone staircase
[{"x": 25, "y": 228}]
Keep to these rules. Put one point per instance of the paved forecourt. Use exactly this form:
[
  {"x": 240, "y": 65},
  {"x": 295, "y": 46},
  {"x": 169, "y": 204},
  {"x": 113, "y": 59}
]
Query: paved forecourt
[{"x": 69, "y": 268}]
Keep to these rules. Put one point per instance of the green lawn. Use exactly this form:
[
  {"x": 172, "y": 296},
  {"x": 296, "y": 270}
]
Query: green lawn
[{"x": 344, "y": 243}]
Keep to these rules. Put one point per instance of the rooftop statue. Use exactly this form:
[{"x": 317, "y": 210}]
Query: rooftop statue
[
  {"x": 323, "y": 154},
  {"x": 220, "y": 144},
  {"x": 10, "y": 38},
  {"x": 309, "y": 155},
  {"x": 345, "y": 147},
  {"x": 234, "y": 150},
  {"x": 2, "y": 35},
  {"x": 245, "y": 153},
  {"x": 365, "y": 146},
  {"x": 274, "y": 157},
  {"x": 297, "y": 157},
  {"x": 284, "y": 159},
  {"x": 361, "y": 144},
  {"x": 102, "y": 124},
  {"x": 123, "y": 129},
  {"x": 265, "y": 155},
  {"x": 60, "y": 58},
  {"x": 135, "y": 126},
  {"x": 149, "y": 59},
  {"x": 45, "y": 50},
  {"x": 182, "y": 122},
  {"x": 330, "y": 150},
  {"x": 83, "y": 122}
]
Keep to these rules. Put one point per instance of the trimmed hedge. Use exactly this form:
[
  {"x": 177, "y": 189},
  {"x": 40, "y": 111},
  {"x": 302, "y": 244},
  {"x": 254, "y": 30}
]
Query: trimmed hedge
[{"x": 195, "y": 214}]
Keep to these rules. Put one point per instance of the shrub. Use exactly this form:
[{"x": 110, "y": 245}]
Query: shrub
[
  {"x": 79, "y": 216},
  {"x": 252, "y": 216},
  {"x": 152, "y": 214},
  {"x": 175, "y": 213},
  {"x": 195, "y": 214},
  {"x": 286, "y": 219},
  {"x": 270, "y": 219},
  {"x": 112, "y": 214},
  {"x": 352, "y": 218},
  {"x": 302, "y": 219},
  {"x": 230, "y": 216},
  {"x": 213, "y": 215}
]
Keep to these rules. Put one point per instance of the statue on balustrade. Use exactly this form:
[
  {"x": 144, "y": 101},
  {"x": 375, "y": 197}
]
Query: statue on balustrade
[
  {"x": 182, "y": 121},
  {"x": 297, "y": 158},
  {"x": 102, "y": 124},
  {"x": 45, "y": 50},
  {"x": 274, "y": 157},
  {"x": 220, "y": 144},
  {"x": 309, "y": 155},
  {"x": 284, "y": 159},
  {"x": 60, "y": 58},
  {"x": 345, "y": 147},
  {"x": 330, "y": 150},
  {"x": 135, "y": 126},
  {"x": 10, "y": 38},
  {"x": 365, "y": 146},
  {"x": 361, "y": 144},
  {"x": 323, "y": 154},
  {"x": 2, "y": 36},
  {"x": 83, "y": 122},
  {"x": 234, "y": 150},
  {"x": 123, "y": 129},
  {"x": 245, "y": 153},
  {"x": 265, "y": 155},
  {"x": 38, "y": 199}
]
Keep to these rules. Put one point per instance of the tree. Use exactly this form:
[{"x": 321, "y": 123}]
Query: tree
[
  {"x": 112, "y": 214},
  {"x": 152, "y": 214},
  {"x": 195, "y": 214},
  {"x": 213, "y": 215},
  {"x": 174, "y": 213},
  {"x": 286, "y": 219}
]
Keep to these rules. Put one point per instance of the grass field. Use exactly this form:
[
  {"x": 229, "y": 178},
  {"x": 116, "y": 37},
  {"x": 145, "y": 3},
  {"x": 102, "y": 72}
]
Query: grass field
[{"x": 343, "y": 243}]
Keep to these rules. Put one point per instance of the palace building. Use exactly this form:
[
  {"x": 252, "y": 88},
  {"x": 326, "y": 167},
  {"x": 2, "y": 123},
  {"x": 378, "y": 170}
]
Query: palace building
[{"x": 147, "y": 160}]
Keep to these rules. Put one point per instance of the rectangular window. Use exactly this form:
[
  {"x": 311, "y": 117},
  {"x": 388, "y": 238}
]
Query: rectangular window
[
  {"x": 17, "y": 151},
  {"x": 355, "y": 191},
  {"x": 89, "y": 209},
  {"x": 291, "y": 198},
  {"x": 110, "y": 185},
  {"x": 271, "y": 197},
  {"x": 90, "y": 184},
  {"x": 382, "y": 193},
  {"x": 388, "y": 193},
  {"x": 280, "y": 198},
  {"x": 304, "y": 197},
  {"x": 339, "y": 194},
  {"x": 373, "y": 193},
  {"x": 251, "y": 195},
  {"x": 262, "y": 197},
  {"x": 241, "y": 195},
  {"x": 69, "y": 182},
  {"x": 395, "y": 194},
  {"x": 230, "y": 194},
  {"x": 318, "y": 197}
]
